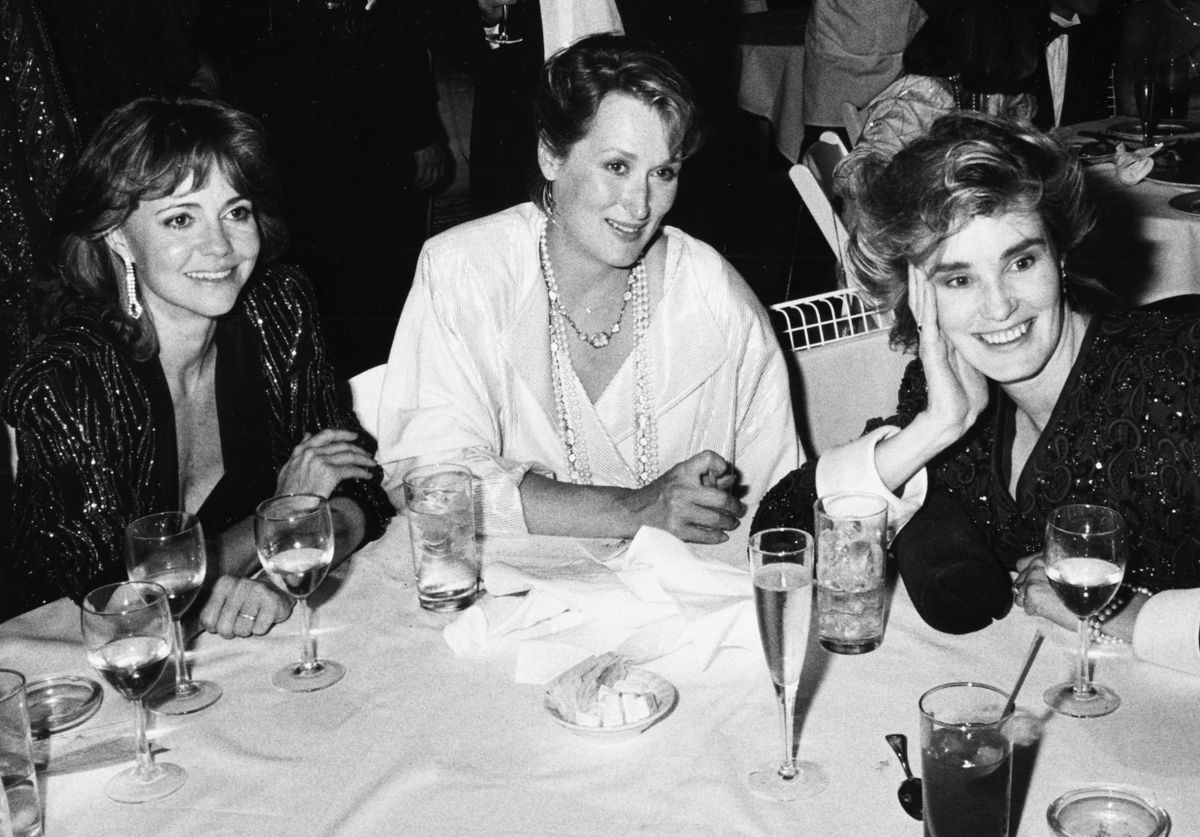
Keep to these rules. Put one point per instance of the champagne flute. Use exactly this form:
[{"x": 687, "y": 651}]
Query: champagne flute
[
  {"x": 781, "y": 562},
  {"x": 504, "y": 35},
  {"x": 167, "y": 548},
  {"x": 1145, "y": 86},
  {"x": 127, "y": 633},
  {"x": 1085, "y": 562},
  {"x": 294, "y": 538}
]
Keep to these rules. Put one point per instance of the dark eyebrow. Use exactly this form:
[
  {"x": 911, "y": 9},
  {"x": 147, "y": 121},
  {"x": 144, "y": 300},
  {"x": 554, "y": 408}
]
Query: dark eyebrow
[
  {"x": 1023, "y": 244},
  {"x": 184, "y": 204},
  {"x": 673, "y": 161}
]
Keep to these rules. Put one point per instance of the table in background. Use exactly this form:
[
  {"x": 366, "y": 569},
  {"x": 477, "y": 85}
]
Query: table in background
[
  {"x": 1141, "y": 247},
  {"x": 771, "y": 73},
  {"x": 418, "y": 741}
]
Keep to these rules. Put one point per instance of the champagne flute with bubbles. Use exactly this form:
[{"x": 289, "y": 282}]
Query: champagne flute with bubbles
[
  {"x": 1085, "y": 563},
  {"x": 167, "y": 548},
  {"x": 781, "y": 563},
  {"x": 127, "y": 633},
  {"x": 294, "y": 538}
]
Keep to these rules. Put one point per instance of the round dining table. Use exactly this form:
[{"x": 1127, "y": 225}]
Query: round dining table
[
  {"x": 1142, "y": 246},
  {"x": 419, "y": 741}
]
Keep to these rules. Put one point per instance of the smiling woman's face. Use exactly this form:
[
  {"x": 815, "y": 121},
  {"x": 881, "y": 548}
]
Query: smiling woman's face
[
  {"x": 999, "y": 298},
  {"x": 614, "y": 186},
  {"x": 193, "y": 249}
]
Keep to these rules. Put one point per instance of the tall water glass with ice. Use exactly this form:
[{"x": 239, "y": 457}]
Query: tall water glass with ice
[
  {"x": 23, "y": 816},
  {"x": 440, "y": 503},
  {"x": 851, "y": 535}
]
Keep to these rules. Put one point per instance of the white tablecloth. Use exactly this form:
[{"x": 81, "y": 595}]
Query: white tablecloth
[
  {"x": 771, "y": 80},
  {"x": 1141, "y": 246},
  {"x": 417, "y": 741}
]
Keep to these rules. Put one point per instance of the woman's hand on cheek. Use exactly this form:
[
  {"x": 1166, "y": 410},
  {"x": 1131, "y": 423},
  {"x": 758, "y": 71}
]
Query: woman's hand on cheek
[{"x": 957, "y": 392}]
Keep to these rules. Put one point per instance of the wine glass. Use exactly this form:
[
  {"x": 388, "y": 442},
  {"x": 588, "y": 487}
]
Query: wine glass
[
  {"x": 294, "y": 538},
  {"x": 1145, "y": 86},
  {"x": 503, "y": 35},
  {"x": 1085, "y": 562},
  {"x": 781, "y": 562},
  {"x": 127, "y": 634},
  {"x": 167, "y": 548}
]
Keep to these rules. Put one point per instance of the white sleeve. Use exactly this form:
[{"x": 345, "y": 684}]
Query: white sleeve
[
  {"x": 1167, "y": 630},
  {"x": 851, "y": 467},
  {"x": 435, "y": 406}
]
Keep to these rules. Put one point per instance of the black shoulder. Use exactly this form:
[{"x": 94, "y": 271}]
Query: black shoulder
[{"x": 60, "y": 359}]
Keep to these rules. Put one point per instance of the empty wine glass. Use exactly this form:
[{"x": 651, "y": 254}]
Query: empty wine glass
[
  {"x": 127, "y": 633},
  {"x": 781, "y": 563},
  {"x": 167, "y": 548},
  {"x": 294, "y": 538},
  {"x": 1085, "y": 563},
  {"x": 505, "y": 33}
]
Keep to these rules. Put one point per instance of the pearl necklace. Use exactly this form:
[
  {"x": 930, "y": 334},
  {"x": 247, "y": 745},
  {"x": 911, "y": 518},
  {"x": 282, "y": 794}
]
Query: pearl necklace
[
  {"x": 601, "y": 338},
  {"x": 565, "y": 395}
]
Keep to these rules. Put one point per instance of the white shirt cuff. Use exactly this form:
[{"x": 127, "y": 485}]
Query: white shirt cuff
[
  {"x": 851, "y": 467},
  {"x": 1167, "y": 630}
]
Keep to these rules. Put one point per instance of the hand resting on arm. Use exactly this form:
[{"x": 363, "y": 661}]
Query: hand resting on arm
[{"x": 693, "y": 501}]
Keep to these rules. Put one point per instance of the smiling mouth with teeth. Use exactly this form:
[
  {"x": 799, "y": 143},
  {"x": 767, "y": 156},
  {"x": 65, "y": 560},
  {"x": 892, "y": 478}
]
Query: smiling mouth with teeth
[
  {"x": 999, "y": 338},
  {"x": 210, "y": 277},
  {"x": 621, "y": 228}
]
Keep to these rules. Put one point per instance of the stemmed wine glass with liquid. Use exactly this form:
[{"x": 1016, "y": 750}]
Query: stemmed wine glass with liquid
[
  {"x": 1085, "y": 563},
  {"x": 781, "y": 562},
  {"x": 505, "y": 33},
  {"x": 294, "y": 538},
  {"x": 127, "y": 633},
  {"x": 167, "y": 548},
  {"x": 1145, "y": 88}
]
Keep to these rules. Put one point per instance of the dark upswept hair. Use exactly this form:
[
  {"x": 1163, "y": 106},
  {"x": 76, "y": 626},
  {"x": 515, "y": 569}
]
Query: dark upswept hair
[
  {"x": 576, "y": 79},
  {"x": 968, "y": 165},
  {"x": 145, "y": 150}
]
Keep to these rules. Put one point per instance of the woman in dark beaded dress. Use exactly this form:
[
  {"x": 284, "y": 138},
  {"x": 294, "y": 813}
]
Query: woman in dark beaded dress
[
  {"x": 176, "y": 373},
  {"x": 1029, "y": 392}
]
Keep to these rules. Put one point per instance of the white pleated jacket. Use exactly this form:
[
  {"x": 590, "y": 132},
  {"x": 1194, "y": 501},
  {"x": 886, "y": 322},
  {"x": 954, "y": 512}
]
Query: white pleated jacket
[{"x": 469, "y": 379}]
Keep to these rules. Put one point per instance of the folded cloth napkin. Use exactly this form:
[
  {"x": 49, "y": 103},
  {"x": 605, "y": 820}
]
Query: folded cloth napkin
[
  {"x": 1167, "y": 630},
  {"x": 1134, "y": 166},
  {"x": 652, "y": 599}
]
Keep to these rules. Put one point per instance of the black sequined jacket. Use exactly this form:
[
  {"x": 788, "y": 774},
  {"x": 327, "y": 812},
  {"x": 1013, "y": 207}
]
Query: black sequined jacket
[
  {"x": 1125, "y": 433},
  {"x": 97, "y": 446}
]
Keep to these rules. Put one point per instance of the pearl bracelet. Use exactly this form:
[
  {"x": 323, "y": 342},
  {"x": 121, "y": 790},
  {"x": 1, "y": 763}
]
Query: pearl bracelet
[{"x": 1095, "y": 631}]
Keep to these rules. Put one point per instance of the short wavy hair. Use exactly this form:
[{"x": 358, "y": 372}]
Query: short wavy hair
[
  {"x": 145, "y": 150},
  {"x": 968, "y": 165},
  {"x": 576, "y": 79}
]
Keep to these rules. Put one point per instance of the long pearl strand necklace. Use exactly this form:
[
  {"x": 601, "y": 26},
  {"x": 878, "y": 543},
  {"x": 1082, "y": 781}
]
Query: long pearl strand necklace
[{"x": 565, "y": 395}]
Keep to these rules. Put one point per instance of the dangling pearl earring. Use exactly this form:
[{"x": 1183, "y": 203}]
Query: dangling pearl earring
[
  {"x": 548, "y": 199},
  {"x": 132, "y": 305}
]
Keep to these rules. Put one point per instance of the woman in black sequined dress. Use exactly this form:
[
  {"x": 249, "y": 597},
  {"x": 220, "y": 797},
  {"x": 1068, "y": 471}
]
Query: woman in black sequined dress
[
  {"x": 1030, "y": 391},
  {"x": 176, "y": 373}
]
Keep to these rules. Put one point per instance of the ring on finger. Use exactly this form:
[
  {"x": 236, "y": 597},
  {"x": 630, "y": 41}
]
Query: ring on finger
[{"x": 250, "y": 616}]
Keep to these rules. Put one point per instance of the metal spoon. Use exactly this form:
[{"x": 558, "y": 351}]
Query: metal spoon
[{"x": 910, "y": 789}]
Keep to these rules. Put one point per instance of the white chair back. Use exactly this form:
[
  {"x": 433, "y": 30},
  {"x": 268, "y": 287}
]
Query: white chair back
[
  {"x": 813, "y": 179},
  {"x": 845, "y": 371},
  {"x": 366, "y": 390}
]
